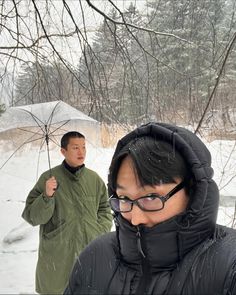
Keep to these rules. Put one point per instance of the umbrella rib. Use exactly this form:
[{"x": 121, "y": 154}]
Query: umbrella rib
[
  {"x": 42, "y": 143},
  {"x": 25, "y": 142},
  {"x": 54, "y": 141},
  {"x": 59, "y": 127},
  {"x": 35, "y": 118},
  {"x": 49, "y": 121},
  {"x": 29, "y": 131},
  {"x": 45, "y": 127},
  {"x": 40, "y": 148}
]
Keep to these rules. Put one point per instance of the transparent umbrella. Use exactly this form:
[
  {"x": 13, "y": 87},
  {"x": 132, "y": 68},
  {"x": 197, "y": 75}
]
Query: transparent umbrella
[{"x": 39, "y": 124}]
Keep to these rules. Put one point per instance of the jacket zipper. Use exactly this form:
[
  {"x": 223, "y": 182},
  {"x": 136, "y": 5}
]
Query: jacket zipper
[
  {"x": 139, "y": 244},
  {"x": 142, "y": 287}
]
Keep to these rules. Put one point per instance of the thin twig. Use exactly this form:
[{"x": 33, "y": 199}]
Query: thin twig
[
  {"x": 124, "y": 23},
  {"x": 229, "y": 46}
]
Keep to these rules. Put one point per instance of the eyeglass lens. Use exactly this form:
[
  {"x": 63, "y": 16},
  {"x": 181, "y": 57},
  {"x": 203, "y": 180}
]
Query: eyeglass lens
[
  {"x": 152, "y": 202},
  {"x": 148, "y": 203}
]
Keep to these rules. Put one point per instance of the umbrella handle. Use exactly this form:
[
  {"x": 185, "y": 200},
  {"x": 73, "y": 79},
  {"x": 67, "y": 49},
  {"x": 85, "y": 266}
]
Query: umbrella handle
[{"x": 49, "y": 162}]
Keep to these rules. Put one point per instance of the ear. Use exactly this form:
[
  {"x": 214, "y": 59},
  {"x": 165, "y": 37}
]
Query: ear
[{"x": 63, "y": 151}]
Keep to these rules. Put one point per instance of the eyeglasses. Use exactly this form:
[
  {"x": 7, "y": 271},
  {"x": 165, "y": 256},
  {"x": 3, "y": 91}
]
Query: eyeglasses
[{"x": 150, "y": 203}]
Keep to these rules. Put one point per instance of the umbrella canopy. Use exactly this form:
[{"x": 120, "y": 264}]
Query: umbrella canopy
[
  {"x": 40, "y": 114},
  {"x": 41, "y": 123}
]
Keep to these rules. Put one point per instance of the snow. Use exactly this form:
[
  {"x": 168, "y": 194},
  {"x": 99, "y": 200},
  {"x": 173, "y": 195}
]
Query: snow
[{"x": 19, "y": 241}]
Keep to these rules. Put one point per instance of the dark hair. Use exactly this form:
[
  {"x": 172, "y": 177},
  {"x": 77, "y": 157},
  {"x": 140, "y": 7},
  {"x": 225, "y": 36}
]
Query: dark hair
[
  {"x": 154, "y": 162},
  {"x": 66, "y": 138}
]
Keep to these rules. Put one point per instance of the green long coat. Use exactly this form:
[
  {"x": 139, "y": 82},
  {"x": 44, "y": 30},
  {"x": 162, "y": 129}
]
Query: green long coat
[{"x": 76, "y": 214}]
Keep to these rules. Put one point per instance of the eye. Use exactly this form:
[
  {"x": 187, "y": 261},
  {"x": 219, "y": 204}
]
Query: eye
[
  {"x": 152, "y": 197},
  {"x": 123, "y": 199}
]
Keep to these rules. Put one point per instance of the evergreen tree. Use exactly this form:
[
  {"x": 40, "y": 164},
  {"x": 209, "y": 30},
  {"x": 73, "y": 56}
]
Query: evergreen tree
[
  {"x": 111, "y": 70},
  {"x": 195, "y": 63},
  {"x": 46, "y": 82}
]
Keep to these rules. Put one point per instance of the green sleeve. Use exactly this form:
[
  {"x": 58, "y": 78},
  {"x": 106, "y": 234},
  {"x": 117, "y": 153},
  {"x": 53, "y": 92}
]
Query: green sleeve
[
  {"x": 38, "y": 208},
  {"x": 104, "y": 210}
]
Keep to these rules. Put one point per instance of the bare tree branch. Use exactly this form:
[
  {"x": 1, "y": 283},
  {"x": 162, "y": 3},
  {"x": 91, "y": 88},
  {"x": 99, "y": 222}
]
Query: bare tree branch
[
  {"x": 228, "y": 50},
  {"x": 124, "y": 23},
  {"x": 37, "y": 41}
]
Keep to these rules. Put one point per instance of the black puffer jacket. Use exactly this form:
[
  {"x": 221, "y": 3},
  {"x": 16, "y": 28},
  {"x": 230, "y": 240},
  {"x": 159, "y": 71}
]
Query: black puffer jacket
[{"x": 187, "y": 254}]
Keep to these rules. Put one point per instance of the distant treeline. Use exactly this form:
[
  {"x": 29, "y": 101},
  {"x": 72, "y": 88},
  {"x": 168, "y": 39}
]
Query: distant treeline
[{"x": 159, "y": 65}]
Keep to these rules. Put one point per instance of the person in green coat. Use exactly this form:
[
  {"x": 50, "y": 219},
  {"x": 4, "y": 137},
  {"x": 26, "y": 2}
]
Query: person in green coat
[{"x": 70, "y": 204}]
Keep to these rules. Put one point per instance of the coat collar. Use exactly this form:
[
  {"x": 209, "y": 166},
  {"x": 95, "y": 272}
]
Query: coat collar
[
  {"x": 72, "y": 175},
  {"x": 73, "y": 170},
  {"x": 156, "y": 246},
  {"x": 163, "y": 245}
]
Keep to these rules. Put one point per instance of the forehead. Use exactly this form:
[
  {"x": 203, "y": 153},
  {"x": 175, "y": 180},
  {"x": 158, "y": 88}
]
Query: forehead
[
  {"x": 127, "y": 181},
  {"x": 126, "y": 173},
  {"x": 76, "y": 141}
]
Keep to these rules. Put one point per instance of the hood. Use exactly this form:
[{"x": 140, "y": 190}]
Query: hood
[
  {"x": 196, "y": 155},
  {"x": 199, "y": 220}
]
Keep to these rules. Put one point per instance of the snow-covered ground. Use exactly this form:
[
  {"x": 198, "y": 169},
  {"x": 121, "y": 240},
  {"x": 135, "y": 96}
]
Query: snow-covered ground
[{"x": 19, "y": 241}]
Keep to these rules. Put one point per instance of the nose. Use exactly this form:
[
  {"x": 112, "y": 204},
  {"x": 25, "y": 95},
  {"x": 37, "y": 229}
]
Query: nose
[
  {"x": 138, "y": 216},
  {"x": 80, "y": 151}
]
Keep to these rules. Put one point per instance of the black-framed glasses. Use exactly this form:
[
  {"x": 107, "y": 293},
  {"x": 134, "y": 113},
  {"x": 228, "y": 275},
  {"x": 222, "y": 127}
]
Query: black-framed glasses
[{"x": 150, "y": 203}]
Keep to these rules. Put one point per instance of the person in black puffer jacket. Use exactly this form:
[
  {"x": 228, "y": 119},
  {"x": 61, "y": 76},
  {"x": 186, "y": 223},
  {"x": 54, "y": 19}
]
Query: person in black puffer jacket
[{"x": 165, "y": 205}]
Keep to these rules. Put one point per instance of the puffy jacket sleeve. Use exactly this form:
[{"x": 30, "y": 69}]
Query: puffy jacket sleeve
[
  {"x": 104, "y": 210},
  {"x": 38, "y": 208},
  {"x": 75, "y": 285},
  {"x": 231, "y": 280},
  {"x": 94, "y": 268},
  {"x": 233, "y": 286}
]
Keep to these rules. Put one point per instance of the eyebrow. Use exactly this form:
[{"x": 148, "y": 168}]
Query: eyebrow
[{"x": 119, "y": 186}]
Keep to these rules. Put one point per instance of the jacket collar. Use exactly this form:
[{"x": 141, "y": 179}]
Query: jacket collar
[
  {"x": 73, "y": 170},
  {"x": 161, "y": 246},
  {"x": 74, "y": 175}
]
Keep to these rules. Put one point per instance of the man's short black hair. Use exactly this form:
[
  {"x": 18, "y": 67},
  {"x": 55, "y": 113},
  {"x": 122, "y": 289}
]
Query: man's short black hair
[
  {"x": 154, "y": 162},
  {"x": 66, "y": 138}
]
